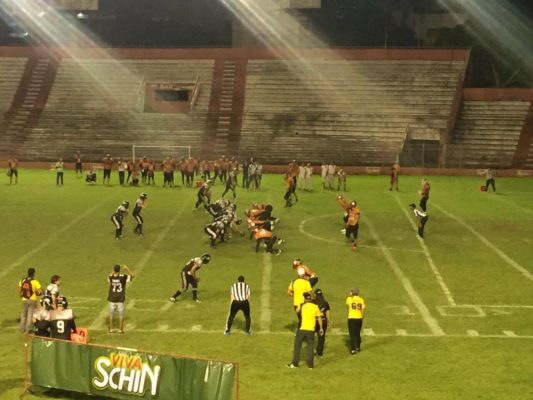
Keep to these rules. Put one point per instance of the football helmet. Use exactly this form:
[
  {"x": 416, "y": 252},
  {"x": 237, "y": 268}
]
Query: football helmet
[
  {"x": 143, "y": 195},
  {"x": 300, "y": 271},
  {"x": 126, "y": 204},
  {"x": 205, "y": 258},
  {"x": 297, "y": 262},
  {"x": 62, "y": 301},
  {"x": 46, "y": 302}
]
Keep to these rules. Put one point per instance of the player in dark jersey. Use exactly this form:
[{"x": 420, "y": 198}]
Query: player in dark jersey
[
  {"x": 41, "y": 317},
  {"x": 117, "y": 295},
  {"x": 140, "y": 204},
  {"x": 189, "y": 276},
  {"x": 204, "y": 194},
  {"x": 215, "y": 230},
  {"x": 62, "y": 322},
  {"x": 118, "y": 217},
  {"x": 231, "y": 183},
  {"x": 421, "y": 219}
]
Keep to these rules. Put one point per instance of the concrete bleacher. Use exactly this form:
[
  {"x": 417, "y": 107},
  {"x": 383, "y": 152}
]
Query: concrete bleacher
[
  {"x": 354, "y": 110},
  {"x": 11, "y": 69},
  {"x": 487, "y": 133},
  {"x": 99, "y": 101}
]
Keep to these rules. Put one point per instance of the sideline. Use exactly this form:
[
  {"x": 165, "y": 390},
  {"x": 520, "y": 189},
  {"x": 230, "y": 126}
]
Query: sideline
[
  {"x": 426, "y": 252},
  {"x": 266, "y": 312}
]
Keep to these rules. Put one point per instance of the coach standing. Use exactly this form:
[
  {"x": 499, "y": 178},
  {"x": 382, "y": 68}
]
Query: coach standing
[
  {"x": 29, "y": 290},
  {"x": 356, "y": 313},
  {"x": 240, "y": 301}
]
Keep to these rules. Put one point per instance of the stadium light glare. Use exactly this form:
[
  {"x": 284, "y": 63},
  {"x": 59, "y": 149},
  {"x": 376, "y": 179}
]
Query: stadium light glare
[{"x": 500, "y": 27}]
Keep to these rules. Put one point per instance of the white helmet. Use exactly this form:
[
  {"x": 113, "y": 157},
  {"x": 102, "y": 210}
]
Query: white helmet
[{"x": 300, "y": 271}]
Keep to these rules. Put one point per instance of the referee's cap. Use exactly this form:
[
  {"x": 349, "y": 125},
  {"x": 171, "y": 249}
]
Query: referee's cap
[{"x": 354, "y": 291}]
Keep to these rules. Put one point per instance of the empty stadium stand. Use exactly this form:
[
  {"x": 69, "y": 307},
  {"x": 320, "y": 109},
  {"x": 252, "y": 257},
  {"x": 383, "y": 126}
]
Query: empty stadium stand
[
  {"x": 11, "y": 69},
  {"x": 356, "y": 112},
  {"x": 487, "y": 133},
  {"x": 95, "y": 106}
]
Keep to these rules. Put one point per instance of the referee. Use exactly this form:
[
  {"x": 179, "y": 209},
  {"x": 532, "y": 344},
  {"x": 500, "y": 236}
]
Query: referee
[{"x": 240, "y": 300}]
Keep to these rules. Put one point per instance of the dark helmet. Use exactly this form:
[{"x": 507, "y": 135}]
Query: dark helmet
[
  {"x": 46, "y": 302},
  {"x": 62, "y": 301},
  {"x": 126, "y": 203},
  {"x": 205, "y": 258},
  {"x": 144, "y": 195}
]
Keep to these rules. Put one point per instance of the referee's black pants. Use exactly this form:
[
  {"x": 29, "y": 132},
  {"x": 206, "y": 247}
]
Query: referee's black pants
[
  {"x": 235, "y": 307},
  {"x": 354, "y": 328},
  {"x": 321, "y": 340}
]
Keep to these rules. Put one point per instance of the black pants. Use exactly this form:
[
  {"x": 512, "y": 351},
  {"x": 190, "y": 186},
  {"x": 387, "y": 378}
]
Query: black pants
[
  {"x": 490, "y": 182},
  {"x": 59, "y": 178},
  {"x": 423, "y": 203},
  {"x": 78, "y": 168},
  {"x": 186, "y": 281},
  {"x": 352, "y": 231},
  {"x": 269, "y": 242},
  {"x": 144, "y": 174},
  {"x": 354, "y": 328},
  {"x": 422, "y": 225},
  {"x": 309, "y": 338},
  {"x": 235, "y": 307},
  {"x": 121, "y": 177},
  {"x": 107, "y": 175},
  {"x": 140, "y": 221},
  {"x": 321, "y": 340},
  {"x": 118, "y": 225}
]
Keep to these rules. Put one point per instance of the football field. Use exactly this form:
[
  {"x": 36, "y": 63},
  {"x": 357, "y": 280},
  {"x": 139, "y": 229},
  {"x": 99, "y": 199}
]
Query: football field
[{"x": 448, "y": 317}]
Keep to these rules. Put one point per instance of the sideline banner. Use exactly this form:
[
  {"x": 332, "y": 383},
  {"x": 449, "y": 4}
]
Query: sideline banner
[{"x": 126, "y": 373}]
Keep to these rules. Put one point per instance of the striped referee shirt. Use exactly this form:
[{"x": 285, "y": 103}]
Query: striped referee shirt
[{"x": 240, "y": 291}]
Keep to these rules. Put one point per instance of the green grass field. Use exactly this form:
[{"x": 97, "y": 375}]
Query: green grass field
[{"x": 449, "y": 318}]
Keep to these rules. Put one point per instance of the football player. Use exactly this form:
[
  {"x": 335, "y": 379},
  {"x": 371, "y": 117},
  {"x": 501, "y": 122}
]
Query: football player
[
  {"x": 41, "y": 317},
  {"x": 265, "y": 235},
  {"x": 52, "y": 290},
  {"x": 231, "y": 183},
  {"x": 117, "y": 294},
  {"x": 308, "y": 274},
  {"x": 189, "y": 276},
  {"x": 216, "y": 230},
  {"x": 421, "y": 219},
  {"x": 62, "y": 322},
  {"x": 140, "y": 204},
  {"x": 118, "y": 217},
  {"x": 351, "y": 220},
  {"x": 204, "y": 194}
]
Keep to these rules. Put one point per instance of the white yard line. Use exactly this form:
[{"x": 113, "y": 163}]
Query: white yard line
[
  {"x": 98, "y": 321},
  {"x": 53, "y": 237},
  {"x": 266, "y": 312},
  {"x": 426, "y": 252},
  {"x": 399, "y": 333},
  {"x": 485, "y": 241},
  {"x": 406, "y": 283},
  {"x": 510, "y": 203}
]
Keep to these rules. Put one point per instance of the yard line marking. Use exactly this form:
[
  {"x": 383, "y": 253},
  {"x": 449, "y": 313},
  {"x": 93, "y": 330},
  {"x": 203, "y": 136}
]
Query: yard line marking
[
  {"x": 366, "y": 332},
  {"x": 163, "y": 327},
  {"x": 130, "y": 305},
  {"x": 131, "y": 327},
  {"x": 510, "y": 203},
  {"x": 500, "y": 305},
  {"x": 166, "y": 306},
  {"x": 406, "y": 283},
  {"x": 426, "y": 252},
  {"x": 266, "y": 312},
  {"x": 485, "y": 241},
  {"x": 142, "y": 263},
  {"x": 401, "y": 332},
  {"x": 310, "y": 235},
  {"x": 472, "y": 333},
  {"x": 196, "y": 328},
  {"x": 53, "y": 237}
]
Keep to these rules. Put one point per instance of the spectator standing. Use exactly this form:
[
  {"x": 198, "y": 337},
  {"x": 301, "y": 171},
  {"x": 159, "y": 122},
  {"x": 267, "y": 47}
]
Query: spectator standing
[
  {"x": 490, "y": 174},
  {"x": 78, "y": 164},
  {"x": 394, "y": 171},
  {"x": 60, "y": 168},
  {"x": 308, "y": 178},
  {"x": 13, "y": 171},
  {"x": 29, "y": 290},
  {"x": 108, "y": 165},
  {"x": 323, "y": 305},
  {"x": 122, "y": 166},
  {"x": 324, "y": 174},
  {"x": 356, "y": 312},
  {"x": 240, "y": 301},
  {"x": 117, "y": 295}
]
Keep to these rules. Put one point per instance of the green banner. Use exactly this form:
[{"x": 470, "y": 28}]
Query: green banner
[{"x": 125, "y": 373}]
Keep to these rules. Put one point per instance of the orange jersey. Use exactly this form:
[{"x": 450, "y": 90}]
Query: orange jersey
[
  {"x": 353, "y": 215},
  {"x": 263, "y": 234},
  {"x": 308, "y": 272}
]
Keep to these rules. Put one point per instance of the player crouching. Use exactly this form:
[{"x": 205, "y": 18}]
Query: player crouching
[{"x": 264, "y": 234}]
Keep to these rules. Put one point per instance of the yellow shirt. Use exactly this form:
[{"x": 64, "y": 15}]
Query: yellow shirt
[
  {"x": 310, "y": 313},
  {"x": 356, "y": 307},
  {"x": 36, "y": 286},
  {"x": 298, "y": 287}
]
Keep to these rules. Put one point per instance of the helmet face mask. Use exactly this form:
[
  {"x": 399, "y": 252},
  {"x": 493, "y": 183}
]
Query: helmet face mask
[
  {"x": 63, "y": 302},
  {"x": 126, "y": 203},
  {"x": 46, "y": 302},
  {"x": 144, "y": 195},
  {"x": 205, "y": 258}
]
